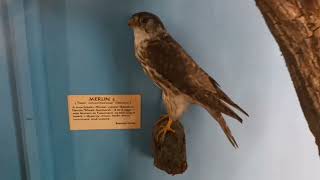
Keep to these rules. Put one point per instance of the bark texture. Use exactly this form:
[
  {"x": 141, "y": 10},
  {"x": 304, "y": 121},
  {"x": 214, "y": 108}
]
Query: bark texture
[
  {"x": 170, "y": 155},
  {"x": 295, "y": 24}
]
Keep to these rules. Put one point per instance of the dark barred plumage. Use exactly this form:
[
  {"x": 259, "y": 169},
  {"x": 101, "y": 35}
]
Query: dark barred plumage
[{"x": 181, "y": 79}]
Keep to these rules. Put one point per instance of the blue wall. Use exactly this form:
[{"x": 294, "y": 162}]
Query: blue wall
[
  {"x": 11, "y": 155},
  {"x": 85, "y": 47},
  {"x": 10, "y": 162}
]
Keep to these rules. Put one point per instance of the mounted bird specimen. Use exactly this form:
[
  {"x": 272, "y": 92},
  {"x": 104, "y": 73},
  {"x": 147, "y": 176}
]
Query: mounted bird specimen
[{"x": 179, "y": 77}]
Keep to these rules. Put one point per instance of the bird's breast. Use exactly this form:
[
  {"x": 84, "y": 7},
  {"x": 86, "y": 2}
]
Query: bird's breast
[
  {"x": 149, "y": 70},
  {"x": 143, "y": 56}
]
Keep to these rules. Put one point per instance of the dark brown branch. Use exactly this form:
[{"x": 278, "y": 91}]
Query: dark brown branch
[{"x": 295, "y": 24}]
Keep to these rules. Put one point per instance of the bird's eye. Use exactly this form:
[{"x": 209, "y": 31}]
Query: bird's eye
[{"x": 144, "y": 20}]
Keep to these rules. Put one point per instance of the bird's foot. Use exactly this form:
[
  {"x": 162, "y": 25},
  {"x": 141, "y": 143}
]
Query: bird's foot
[
  {"x": 164, "y": 130},
  {"x": 163, "y": 117}
]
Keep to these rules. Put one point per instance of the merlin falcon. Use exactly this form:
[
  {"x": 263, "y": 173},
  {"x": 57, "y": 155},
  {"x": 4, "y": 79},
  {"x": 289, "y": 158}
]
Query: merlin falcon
[{"x": 179, "y": 77}]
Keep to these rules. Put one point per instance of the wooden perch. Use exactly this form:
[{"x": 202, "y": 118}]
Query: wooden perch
[
  {"x": 295, "y": 24},
  {"x": 170, "y": 155}
]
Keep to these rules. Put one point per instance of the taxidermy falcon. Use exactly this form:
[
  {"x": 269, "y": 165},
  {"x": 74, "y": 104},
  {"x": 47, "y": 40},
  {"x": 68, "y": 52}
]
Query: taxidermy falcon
[{"x": 179, "y": 77}]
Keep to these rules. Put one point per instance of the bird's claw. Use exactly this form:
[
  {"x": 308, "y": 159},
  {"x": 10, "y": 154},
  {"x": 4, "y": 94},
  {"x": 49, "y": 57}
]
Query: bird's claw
[
  {"x": 164, "y": 130},
  {"x": 163, "y": 117}
]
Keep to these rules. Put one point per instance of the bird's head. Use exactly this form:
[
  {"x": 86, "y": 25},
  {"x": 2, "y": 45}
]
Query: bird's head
[{"x": 146, "y": 22}]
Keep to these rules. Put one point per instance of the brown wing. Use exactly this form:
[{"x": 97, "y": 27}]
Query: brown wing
[
  {"x": 170, "y": 60},
  {"x": 174, "y": 65}
]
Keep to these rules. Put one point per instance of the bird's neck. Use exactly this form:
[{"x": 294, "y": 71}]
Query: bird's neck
[{"x": 140, "y": 36}]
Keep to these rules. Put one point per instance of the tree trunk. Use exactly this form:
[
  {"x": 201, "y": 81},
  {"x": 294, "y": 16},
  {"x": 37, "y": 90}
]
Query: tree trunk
[{"x": 295, "y": 24}]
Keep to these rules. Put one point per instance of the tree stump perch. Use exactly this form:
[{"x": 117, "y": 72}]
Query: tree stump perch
[{"x": 170, "y": 155}]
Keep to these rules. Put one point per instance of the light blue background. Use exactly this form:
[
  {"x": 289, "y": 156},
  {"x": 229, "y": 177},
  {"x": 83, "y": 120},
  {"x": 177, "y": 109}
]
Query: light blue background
[
  {"x": 10, "y": 157},
  {"x": 85, "y": 47}
]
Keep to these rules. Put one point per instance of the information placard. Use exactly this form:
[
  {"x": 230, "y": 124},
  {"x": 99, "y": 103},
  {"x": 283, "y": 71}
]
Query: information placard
[{"x": 98, "y": 112}]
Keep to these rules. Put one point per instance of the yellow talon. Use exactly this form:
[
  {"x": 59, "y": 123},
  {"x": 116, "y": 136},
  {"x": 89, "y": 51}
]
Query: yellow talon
[
  {"x": 163, "y": 131},
  {"x": 162, "y": 118}
]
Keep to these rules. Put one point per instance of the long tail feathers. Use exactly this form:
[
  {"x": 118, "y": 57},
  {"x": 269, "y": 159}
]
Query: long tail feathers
[
  {"x": 223, "y": 107},
  {"x": 217, "y": 104},
  {"x": 225, "y": 128},
  {"x": 226, "y": 99}
]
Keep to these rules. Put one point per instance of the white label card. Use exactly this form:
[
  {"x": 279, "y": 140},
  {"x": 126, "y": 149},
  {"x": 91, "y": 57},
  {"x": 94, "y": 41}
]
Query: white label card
[{"x": 98, "y": 112}]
